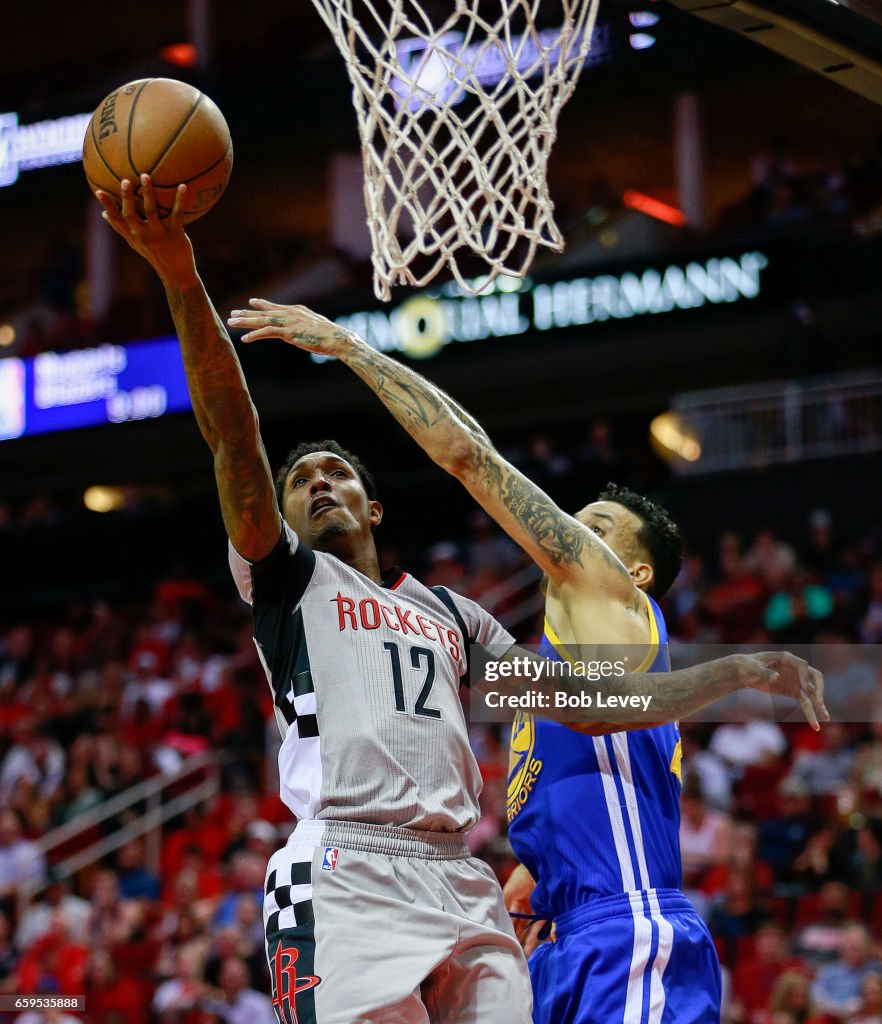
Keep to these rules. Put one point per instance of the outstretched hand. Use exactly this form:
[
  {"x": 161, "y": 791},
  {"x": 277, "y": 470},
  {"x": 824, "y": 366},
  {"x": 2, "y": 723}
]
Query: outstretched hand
[
  {"x": 296, "y": 325},
  {"x": 781, "y": 673},
  {"x": 162, "y": 241}
]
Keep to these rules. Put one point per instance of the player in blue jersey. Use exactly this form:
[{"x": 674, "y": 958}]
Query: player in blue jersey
[{"x": 594, "y": 813}]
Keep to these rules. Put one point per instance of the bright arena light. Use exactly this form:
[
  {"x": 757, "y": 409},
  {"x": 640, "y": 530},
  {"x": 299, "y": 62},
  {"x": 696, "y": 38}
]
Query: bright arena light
[
  {"x": 7, "y": 335},
  {"x": 104, "y": 499},
  {"x": 673, "y": 439}
]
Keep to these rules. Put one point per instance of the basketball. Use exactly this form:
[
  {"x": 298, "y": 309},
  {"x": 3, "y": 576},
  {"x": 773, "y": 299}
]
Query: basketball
[{"x": 164, "y": 128}]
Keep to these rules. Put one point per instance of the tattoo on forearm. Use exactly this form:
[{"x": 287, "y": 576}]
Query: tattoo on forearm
[
  {"x": 554, "y": 531},
  {"x": 225, "y": 415},
  {"x": 417, "y": 408}
]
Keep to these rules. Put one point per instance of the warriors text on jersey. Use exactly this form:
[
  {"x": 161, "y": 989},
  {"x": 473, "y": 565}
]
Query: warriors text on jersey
[{"x": 365, "y": 681}]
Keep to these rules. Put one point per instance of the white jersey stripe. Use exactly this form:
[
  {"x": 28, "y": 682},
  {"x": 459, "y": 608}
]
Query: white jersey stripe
[
  {"x": 642, "y": 927},
  {"x": 623, "y": 762},
  {"x": 657, "y": 996},
  {"x": 617, "y": 822},
  {"x": 665, "y": 929},
  {"x": 639, "y": 960}
]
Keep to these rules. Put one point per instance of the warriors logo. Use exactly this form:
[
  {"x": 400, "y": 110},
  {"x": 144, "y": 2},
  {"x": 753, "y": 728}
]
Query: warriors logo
[{"x": 523, "y": 768}]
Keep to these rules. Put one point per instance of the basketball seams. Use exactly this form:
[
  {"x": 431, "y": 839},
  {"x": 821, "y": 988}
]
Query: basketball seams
[
  {"x": 205, "y": 170},
  {"x": 169, "y": 145},
  {"x": 135, "y": 172}
]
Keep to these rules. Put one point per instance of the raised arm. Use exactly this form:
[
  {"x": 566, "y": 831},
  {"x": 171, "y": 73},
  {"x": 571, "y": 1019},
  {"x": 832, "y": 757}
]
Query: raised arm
[
  {"x": 221, "y": 402},
  {"x": 562, "y": 546}
]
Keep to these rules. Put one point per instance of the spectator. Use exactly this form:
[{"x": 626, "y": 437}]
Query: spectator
[
  {"x": 837, "y": 986},
  {"x": 818, "y": 862},
  {"x": 867, "y": 776},
  {"x": 819, "y": 941},
  {"x": 743, "y": 744},
  {"x": 740, "y": 912},
  {"x": 827, "y": 771},
  {"x": 783, "y": 836},
  {"x": 870, "y": 1010},
  {"x": 791, "y": 1001},
  {"x": 865, "y": 862},
  {"x": 871, "y": 623},
  {"x": 704, "y": 836},
  {"x": 247, "y": 872},
  {"x": 47, "y": 1017},
  {"x": 58, "y": 903},
  {"x": 36, "y": 758},
  {"x": 736, "y": 599},
  {"x": 184, "y": 991},
  {"x": 148, "y": 683},
  {"x": 7, "y": 951},
  {"x": 112, "y": 997},
  {"x": 741, "y": 856},
  {"x": 755, "y": 976},
  {"x": 769, "y": 557},
  {"x": 135, "y": 881},
  {"x": 704, "y": 771},
  {"x": 20, "y": 859},
  {"x": 797, "y": 606},
  {"x": 237, "y": 1003}
]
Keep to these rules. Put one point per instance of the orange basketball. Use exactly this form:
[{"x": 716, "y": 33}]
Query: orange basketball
[{"x": 164, "y": 128}]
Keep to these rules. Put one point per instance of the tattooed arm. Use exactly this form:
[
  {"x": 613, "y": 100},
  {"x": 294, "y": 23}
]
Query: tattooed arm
[
  {"x": 562, "y": 546},
  {"x": 221, "y": 402}
]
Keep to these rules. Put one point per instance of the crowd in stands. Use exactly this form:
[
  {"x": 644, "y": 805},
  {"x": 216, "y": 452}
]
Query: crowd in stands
[{"x": 781, "y": 834}]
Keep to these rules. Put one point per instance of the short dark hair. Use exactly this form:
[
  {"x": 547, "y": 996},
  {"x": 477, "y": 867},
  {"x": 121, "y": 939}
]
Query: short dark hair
[
  {"x": 658, "y": 534},
  {"x": 310, "y": 448}
]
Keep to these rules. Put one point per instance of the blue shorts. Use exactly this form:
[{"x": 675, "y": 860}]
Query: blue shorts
[{"x": 642, "y": 957}]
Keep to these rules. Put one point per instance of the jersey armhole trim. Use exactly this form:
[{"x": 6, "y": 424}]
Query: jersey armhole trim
[{"x": 444, "y": 595}]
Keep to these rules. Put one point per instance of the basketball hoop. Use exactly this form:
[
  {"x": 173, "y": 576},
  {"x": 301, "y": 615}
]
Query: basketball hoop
[{"x": 457, "y": 121}]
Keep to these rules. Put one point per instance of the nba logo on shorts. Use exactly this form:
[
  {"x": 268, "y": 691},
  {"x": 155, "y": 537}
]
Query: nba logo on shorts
[{"x": 330, "y": 861}]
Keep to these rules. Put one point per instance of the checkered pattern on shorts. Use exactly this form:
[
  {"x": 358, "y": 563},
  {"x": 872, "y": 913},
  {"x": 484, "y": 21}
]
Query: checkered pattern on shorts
[{"x": 288, "y": 899}]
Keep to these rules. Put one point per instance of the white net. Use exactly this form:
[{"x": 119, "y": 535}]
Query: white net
[{"x": 457, "y": 120}]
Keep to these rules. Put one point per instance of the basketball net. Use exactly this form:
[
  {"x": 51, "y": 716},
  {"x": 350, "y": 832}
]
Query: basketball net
[{"x": 457, "y": 121}]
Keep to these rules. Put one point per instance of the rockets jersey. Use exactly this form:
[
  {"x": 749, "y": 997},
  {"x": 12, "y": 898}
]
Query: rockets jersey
[
  {"x": 595, "y": 815},
  {"x": 365, "y": 681}
]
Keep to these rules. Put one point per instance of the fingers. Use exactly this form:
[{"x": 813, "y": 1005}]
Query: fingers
[
  {"x": 148, "y": 197},
  {"x": 265, "y": 304},
  {"x": 110, "y": 210},
  {"x": 129, "y": 212},
  {"x": 178, "y": 205},
  {"x": 817, "y": 678},
  {"x": 801, "y": 681},
  {"x": 809, "y": 712},
  {"x": 531, "y": 939}
]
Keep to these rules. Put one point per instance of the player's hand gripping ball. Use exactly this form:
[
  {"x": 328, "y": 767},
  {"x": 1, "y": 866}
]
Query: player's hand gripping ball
[{"x": 164, "y": 128}]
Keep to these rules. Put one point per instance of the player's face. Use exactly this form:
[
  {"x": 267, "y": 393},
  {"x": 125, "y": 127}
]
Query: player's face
[
  {"x": 618, "y": 527},
  {"x": 325, "y": 503}
]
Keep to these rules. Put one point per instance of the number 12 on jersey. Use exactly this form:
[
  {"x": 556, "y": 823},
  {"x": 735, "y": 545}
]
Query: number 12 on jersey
[{"x": 419, "y": 657}]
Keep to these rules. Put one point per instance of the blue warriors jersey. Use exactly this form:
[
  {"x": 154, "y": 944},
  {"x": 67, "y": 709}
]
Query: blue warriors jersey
[{"x": 596, "y": 815}]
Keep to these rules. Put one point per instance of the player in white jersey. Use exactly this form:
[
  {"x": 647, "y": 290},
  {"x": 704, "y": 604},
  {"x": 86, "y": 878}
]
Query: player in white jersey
[{"x": 375, "y": 912}]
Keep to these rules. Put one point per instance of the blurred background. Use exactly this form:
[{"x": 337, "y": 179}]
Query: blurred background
[{"x": 710, "y": 337}]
